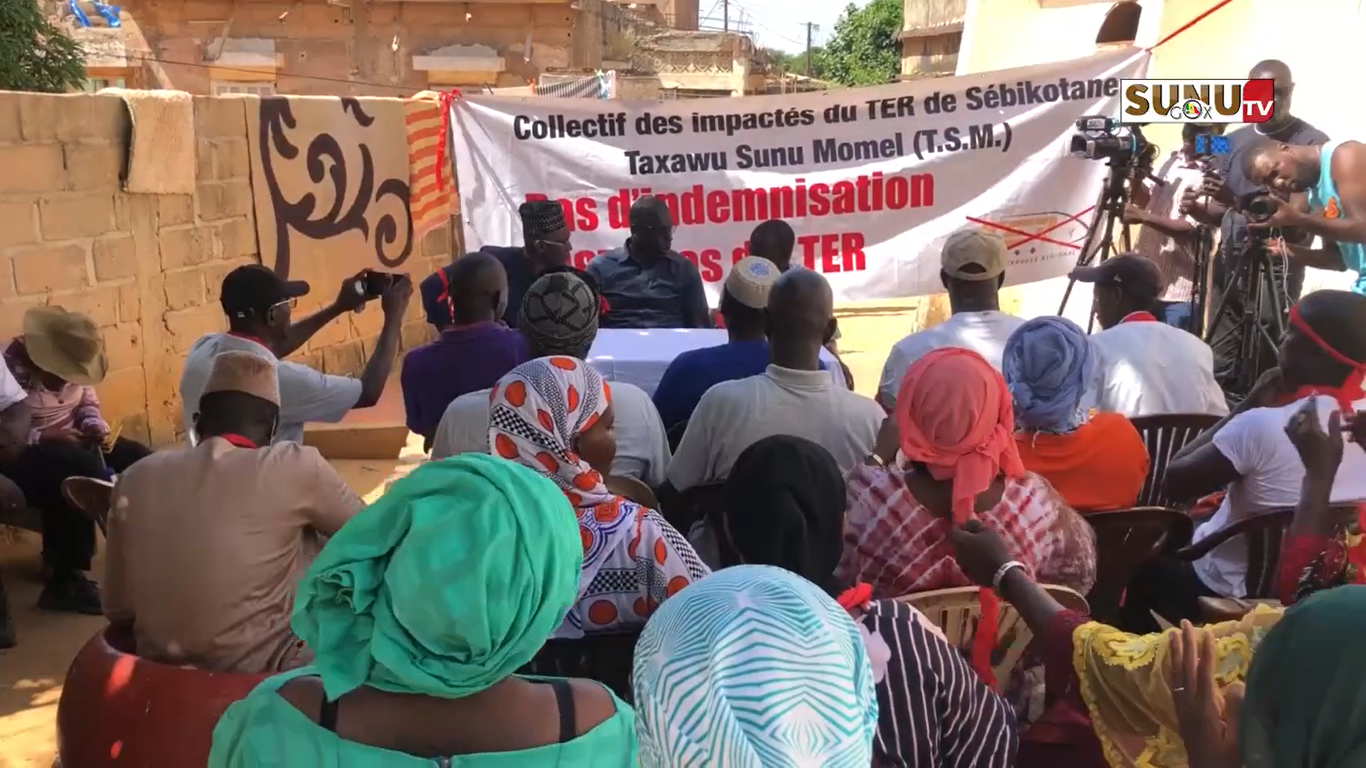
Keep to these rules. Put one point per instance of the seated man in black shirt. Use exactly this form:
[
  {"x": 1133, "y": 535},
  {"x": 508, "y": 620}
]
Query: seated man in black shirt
[
  {"x": 1218, "y": 208},
  {"x": 545, "y": 235},
  {"x": 647, "y": 284}
]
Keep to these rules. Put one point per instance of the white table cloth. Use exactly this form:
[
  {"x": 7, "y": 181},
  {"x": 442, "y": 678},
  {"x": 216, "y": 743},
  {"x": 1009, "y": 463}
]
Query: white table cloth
[{"x": 639, "y": 357}]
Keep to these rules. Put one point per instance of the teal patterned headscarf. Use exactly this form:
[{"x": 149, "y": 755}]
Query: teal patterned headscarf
[
  {"x": 446, "y": 585},
  {"x": 753, "y": 667}
]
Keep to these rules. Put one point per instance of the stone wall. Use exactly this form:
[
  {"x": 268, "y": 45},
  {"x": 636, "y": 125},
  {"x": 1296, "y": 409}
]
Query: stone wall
[{"x": 146, "y": 268}]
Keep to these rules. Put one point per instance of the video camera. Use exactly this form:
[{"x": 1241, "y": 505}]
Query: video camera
[
  {"x": 1257, "y": 206},
  {"x": 1105, "y": 138}
]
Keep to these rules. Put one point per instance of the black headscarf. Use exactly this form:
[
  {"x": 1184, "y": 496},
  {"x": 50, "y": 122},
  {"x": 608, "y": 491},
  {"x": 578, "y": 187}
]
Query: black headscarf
[{"x": 784, "y": 506}]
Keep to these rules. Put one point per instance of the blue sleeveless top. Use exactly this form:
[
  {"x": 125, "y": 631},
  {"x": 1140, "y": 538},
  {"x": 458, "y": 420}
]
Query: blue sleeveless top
[{"x": 1323, "y": 200}]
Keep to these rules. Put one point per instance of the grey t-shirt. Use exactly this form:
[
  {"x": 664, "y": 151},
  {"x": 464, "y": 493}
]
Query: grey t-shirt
[{"x": 305, "y": 394}]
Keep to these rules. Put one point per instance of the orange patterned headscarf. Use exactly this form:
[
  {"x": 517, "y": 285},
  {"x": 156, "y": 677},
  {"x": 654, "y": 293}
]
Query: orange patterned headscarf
[{"x": 955, "y": 416}]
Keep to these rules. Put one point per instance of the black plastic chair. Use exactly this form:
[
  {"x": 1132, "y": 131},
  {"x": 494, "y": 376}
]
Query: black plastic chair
[
  {"x": 1125, "y": 540},
  {"x": 1164, "y": 436}
]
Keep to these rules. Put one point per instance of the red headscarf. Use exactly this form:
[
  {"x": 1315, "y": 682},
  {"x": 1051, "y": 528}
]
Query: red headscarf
[
  {"x": 1351, "y": 389},
  {"x": 955, "y": 416}
]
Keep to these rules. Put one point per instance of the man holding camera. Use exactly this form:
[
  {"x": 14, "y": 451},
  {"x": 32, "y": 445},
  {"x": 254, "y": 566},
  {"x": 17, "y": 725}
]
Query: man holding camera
[
  {"x": 1215, "y": 203},
  {"x": 257, "y": 302},
  {"x": 1168, "y": 238},
  {"x": 1324, "y": 189}
]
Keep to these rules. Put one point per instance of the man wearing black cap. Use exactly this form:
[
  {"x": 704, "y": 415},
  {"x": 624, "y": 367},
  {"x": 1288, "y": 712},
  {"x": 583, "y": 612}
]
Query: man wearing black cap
[
  {"x": 1146, "y": 367},
  {"x": 645, "y": 282},
  {"x": 258, "y": 302},
  {"x": 546, "y": 238}
]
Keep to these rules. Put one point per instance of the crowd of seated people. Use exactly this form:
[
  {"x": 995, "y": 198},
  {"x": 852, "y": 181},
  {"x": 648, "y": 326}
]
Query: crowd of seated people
[{"x": 776, "y": 630}]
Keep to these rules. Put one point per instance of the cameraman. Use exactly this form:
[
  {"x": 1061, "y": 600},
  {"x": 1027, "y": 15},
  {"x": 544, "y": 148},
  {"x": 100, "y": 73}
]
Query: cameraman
[
  {"x": 1168, "y": 237},
  {"x": 1221, "y": 192},
  {"x": 1326, "y": 190}
]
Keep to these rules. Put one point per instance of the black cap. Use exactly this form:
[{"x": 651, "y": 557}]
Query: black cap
[
  {"x": 436, "y": 297},
  {"x": 256, "y": 288},
  {"x": 1134, "y": 275}
]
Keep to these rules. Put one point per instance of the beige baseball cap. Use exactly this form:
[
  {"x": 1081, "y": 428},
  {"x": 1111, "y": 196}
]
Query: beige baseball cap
[
  {"x": 750, "y": 280},
  {"x": 963, "y": 249}
]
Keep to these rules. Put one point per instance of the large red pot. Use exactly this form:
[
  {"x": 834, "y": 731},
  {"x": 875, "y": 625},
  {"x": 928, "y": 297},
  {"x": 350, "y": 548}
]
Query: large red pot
[{"x": 119, "y": 710}]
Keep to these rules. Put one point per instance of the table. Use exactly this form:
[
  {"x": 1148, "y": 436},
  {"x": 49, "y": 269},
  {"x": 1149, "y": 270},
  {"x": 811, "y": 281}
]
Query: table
[{"x": 639, "y": 357}]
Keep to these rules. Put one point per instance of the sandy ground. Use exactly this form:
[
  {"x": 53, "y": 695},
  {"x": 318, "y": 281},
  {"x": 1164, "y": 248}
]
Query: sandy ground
[{"x": 31, "y": 674}]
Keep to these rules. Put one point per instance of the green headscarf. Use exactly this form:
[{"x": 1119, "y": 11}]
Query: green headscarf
[
  {"x": 1306, "y": 688},
  {"x": 444, "y": 586}
]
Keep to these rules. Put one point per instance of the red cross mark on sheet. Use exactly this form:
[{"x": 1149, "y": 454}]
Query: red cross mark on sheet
[{"x": 1040, "y": 236}]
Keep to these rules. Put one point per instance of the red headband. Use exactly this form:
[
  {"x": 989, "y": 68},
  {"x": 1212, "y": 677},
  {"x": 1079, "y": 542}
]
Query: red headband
[{"x": 1351, "y": 389}]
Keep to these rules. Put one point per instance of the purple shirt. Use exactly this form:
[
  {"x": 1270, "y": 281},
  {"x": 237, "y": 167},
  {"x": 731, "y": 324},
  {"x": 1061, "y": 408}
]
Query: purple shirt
[{"x": 461, "y": 360}]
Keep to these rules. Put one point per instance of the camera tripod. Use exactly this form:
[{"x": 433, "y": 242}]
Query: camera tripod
[
  {"x": 1202, "y": 254},
  {"x": 1100, "y": 238},
  {"x": 1252, "y": 327}
]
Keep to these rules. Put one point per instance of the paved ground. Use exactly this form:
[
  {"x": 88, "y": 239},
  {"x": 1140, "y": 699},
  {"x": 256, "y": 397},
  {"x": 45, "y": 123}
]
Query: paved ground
[{"x": 31, "y": 674}]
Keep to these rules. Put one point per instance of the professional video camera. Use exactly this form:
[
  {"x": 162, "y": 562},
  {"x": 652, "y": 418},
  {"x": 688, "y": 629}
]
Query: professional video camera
[
  {"x": 1129, "y": 156},
  {"x": 1257, "y": 207},
  {"x": 1105, "y": 138}
]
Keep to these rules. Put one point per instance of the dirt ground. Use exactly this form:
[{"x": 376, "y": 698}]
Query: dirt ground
[{"x": 31, "y": 673}]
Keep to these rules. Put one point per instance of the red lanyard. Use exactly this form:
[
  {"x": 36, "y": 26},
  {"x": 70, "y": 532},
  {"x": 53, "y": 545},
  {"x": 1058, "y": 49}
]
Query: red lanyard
[
  {"x": 1139, "y": 317},
  {"x": 249, "y": 338},
  {"x": 238, "y": 440}
]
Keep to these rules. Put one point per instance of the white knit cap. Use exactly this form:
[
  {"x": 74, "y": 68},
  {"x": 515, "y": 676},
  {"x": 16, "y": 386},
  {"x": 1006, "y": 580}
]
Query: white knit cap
[{"x": 750, "y": 280}]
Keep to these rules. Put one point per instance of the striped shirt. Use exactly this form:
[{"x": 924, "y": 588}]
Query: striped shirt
[{"x": 933, "y": 710}]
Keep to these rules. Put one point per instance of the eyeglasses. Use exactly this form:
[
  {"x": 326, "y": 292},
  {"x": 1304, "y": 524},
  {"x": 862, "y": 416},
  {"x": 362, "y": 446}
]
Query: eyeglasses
[{"x": 291, "y": 303}]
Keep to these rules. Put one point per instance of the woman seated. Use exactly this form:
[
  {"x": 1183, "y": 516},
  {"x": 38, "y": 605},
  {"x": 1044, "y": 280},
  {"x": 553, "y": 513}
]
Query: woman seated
[
  {"x": 753, "y": 667},
  {"x": 417, "y": 627},
  {"x": 784, "y": 506},
  {"x": 554, "y": 415},
  {"x": 1097, "y": 461},
  {"x": 947, "y": 451}
]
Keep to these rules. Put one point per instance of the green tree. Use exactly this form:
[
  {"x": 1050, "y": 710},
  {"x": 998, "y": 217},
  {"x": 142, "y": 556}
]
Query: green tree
[
  {"x": 794, "y": 63},
  {"x": 34, "y": 54},
  {"x": 864, "y": 49}
]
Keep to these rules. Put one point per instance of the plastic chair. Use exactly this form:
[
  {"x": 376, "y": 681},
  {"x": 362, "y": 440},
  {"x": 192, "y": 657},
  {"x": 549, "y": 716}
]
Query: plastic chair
[
  {"x": 1263, "y": 534},
  {"x": 957, "y": 610},
  {"x": 1165, "y": 435},
  {"x": 118, "y": 709},
  {"x": 1125, "y": 540}
]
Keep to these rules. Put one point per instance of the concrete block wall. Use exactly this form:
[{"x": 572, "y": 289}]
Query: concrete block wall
[{"x": 146, "y": 268}]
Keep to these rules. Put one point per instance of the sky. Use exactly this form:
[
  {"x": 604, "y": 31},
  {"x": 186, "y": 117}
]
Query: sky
[{"x": 778, "y": 24}]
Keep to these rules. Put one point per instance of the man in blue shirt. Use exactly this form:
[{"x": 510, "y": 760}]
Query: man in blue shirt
[
  {"x": 1332, "y": 180},
  {"x": 546, "y": 245},
  {"x": 691, "y": 374},
  {"x": 646, "y": 283}
]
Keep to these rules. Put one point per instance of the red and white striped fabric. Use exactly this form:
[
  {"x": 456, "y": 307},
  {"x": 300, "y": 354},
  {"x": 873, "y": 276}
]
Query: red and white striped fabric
[{"x": 431, "y": 186}]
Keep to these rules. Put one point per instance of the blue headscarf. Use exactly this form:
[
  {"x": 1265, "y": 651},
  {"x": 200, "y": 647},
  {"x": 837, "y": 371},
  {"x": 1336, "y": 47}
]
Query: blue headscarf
[{"x": 1049, "y": 366}]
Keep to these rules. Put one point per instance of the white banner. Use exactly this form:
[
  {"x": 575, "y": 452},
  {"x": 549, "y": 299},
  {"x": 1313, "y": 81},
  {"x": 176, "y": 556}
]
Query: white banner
[{"x": 872, "y": 179}]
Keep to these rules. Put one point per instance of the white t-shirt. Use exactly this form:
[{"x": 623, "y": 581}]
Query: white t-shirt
[
  {"x": 982, "y": 332},
  {"x": 642, "y": 444},
  {"x": 1149, "y": 368},
  {"x": 305, "y": 394},
  {"x": 10, "y": 391},
  {"x": 734, "y": 415},
  {"x": 1256, "y": 444}
]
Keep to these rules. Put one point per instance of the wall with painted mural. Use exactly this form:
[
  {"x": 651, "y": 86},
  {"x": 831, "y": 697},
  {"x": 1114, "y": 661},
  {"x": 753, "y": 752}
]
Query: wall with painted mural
[{"x": 317, "y": 188}]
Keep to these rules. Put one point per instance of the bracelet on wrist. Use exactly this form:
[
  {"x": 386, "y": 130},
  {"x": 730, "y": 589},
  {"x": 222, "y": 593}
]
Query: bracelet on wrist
[
  {"x": 1002, "y": 571},
  {"x": 875, "y": 460}
]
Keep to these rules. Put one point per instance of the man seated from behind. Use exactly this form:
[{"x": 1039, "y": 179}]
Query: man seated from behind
[
  {"x": 972, "y": 267},
  {"x": 1323, "y": 355},
  {"x": 471, "y": 355},
  {"x": 1146, "y": 367},
  {"x": 793, "y": 396},
  {"x": 206, "y": 545},
  {"x": 560, "y": 317},
  {"x": 257, "y": 302},
  {"x": 745, "y": 353}
]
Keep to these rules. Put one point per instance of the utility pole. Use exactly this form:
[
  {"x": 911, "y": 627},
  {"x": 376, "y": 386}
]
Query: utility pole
[
  {"x": 810, "y": 28},
  {"x": 725, "y": 15}
]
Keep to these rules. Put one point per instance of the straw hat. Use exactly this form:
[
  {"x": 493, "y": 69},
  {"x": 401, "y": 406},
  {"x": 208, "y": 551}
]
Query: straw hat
[{"x": 65, "y": 344}]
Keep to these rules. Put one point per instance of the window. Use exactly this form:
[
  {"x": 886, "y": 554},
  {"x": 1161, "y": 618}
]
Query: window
[
  {"x": 224, "y": 87},
  {"x": 94, "y": 84},
  {"x": 1121, "y": 23}
]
